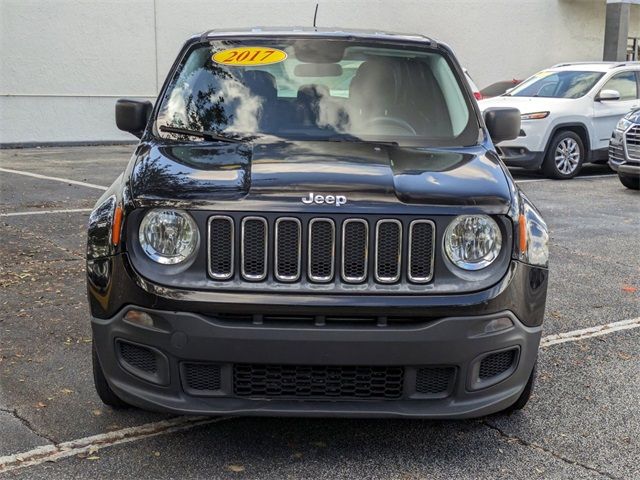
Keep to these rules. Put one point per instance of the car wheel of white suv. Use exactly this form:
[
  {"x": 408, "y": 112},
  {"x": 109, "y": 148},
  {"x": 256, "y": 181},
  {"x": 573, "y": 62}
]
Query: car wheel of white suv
[{"x": 565, "y": 156}]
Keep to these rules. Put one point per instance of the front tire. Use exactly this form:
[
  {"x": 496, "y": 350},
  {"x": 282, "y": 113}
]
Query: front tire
[
  {"x": 630, "y": 181},
  {"x": 564, "y": 157},
  {"x": 103, "y": 389}
]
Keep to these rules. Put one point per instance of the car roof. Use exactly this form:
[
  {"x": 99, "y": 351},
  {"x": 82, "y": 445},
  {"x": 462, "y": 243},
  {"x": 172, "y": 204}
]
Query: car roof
[
  {"x": 592, "y": 66},
  {"x": 330, "y": 32}
]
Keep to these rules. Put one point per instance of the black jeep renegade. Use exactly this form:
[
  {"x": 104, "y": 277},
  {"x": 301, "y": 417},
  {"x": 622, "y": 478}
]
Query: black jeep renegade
[{"x": 316, "y": 223}]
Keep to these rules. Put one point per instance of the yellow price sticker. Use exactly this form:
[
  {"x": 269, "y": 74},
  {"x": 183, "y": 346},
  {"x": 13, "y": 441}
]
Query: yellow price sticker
[{"x": 246, "y": 56}]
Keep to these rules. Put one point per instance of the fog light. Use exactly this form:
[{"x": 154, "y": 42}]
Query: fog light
[
  {"x": 498, "y": 324},
  {"x": 139, "y": 318}
]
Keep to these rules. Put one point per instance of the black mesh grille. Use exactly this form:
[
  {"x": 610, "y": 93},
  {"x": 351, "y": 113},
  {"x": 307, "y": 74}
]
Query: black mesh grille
[
  {"x": 434, "y": 380},
  {"x": 388, "y": 251},
  {"x": 288, "y": 249},
  {"x": 221, "y": 247},
  {"x": 201, "y": 376},
  {"x": 138, "y": 357},
  {"x": 254, "y": 245},
  {"x": 317, "y": 381},
  {"x": 421, "y": 251},
  {"x": 321, "y": 250},
  {"x": 355, "y": 240},
  {"x": 496, "y": 363}
]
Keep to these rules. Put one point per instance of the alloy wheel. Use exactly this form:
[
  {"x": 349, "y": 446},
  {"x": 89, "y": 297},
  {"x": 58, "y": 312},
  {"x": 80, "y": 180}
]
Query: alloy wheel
[{"x": 567, "y": 156}]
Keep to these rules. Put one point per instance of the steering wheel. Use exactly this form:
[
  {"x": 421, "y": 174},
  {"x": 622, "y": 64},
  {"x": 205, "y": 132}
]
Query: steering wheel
[{"x": 393, "y": 122}]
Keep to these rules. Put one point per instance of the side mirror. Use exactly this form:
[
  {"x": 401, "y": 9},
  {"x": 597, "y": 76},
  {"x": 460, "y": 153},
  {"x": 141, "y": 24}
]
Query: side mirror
[
  {"x": 502, "y": 123},
  {"x": 132, "y": 115},
  {"x": 608, "y": 95}
]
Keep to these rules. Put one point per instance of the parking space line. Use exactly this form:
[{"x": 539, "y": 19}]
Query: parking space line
[
  {"x": 90, "y": 445},
  {"x": 587, "y": 177},
  {"x": 57, "y": 179},
  {"x": 590, "y": 332},
  {"x": 43, "y": 212}
]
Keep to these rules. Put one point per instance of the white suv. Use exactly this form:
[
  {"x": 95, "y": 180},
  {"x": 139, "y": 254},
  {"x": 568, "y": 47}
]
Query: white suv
[{"x": 568, "y": 114}]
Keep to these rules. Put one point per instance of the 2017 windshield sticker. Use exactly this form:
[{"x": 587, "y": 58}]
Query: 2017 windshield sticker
[{"x": 245, "y": 56}]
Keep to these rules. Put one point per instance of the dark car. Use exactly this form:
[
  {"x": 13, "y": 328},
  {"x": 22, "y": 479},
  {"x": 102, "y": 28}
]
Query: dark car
[
  {"x": 316, "y": 223},
  {"x": 624, "y": 150}
]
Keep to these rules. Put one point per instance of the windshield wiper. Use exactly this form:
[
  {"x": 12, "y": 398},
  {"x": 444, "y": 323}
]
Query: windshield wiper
[
  {"x": 354, "y": 139},
  {"x": 197, "y": 133}
]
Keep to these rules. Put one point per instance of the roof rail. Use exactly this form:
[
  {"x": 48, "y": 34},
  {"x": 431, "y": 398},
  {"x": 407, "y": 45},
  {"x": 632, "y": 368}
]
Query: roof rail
[
  {"x": 625, "y": 64},
  {"x": 567, "y": 64}
]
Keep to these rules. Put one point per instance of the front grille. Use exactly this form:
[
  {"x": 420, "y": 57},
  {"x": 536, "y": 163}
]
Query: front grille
[
  {"x": 434, "y": 380},
  {"x": 221, "y": 259},
  {"x": 632, "y": 142},
  {"x": 355, "y": 249},
  {"x": 138, "y": 357},
  {"x": 497, "y": 363},
  {"x": 201, "y": 377},
  {"x": 388, "y": 250},
  {"x": 288, "y": 249},
  {"x": 317, "y": 381},
  {"x": 421, "y": 250},
  {"x": 254, "y": 248},
  {"x": 304, "y": 249},
  {"x": 322, "y": 246}
]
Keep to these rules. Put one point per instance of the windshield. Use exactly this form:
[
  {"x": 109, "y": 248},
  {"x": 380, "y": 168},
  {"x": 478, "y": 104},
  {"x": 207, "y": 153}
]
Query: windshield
[
  {"x": 561, "y": 84},
  {"x": 317, "y": 89}
]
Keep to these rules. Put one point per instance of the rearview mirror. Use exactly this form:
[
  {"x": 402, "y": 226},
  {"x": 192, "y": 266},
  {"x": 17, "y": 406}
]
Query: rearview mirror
[
  {"x": 132, "y": 115},
  {"x": 502, "y": 123},
  {"x": 608, "y": 95}
]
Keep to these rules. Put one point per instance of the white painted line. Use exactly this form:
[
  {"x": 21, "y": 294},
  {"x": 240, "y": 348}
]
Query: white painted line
[
  {"x": 94, "y": 443},
  {"x": 58, "y": 179},
  {"x": 586, "y": 177},
  {"x": 44, "y": 212},
  {"x": 590, "y": 332},
  {"x": 91, "y": 445}
]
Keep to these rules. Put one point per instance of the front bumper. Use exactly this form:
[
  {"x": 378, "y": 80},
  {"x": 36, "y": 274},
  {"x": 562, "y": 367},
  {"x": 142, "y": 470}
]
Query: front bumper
[
  {"x": 455, "y": 343},
  {"x": 442, "y": 331}
]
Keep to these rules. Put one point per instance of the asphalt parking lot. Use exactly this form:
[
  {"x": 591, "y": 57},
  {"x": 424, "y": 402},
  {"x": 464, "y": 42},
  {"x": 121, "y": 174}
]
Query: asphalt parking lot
[{"x": 582, "y": 422}]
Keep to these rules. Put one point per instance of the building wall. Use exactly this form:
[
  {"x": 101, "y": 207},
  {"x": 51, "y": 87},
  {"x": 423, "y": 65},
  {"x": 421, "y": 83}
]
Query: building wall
[{"x": 65, "y": 62}]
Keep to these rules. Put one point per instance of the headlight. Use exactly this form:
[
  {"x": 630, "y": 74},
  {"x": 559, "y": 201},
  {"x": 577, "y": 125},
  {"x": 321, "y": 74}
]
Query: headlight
[
  {"x": 533, "y": 236},
  {"x": 623, "y": 124},
  {"x": 473, "y": 242},
  {"x": 534, "y": 116},
  {"x": 168, "y": 236}
]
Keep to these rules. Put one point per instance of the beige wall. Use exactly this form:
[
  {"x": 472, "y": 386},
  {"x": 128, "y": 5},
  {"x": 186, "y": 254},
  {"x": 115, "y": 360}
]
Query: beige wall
[{"x": 64, "y": 62}]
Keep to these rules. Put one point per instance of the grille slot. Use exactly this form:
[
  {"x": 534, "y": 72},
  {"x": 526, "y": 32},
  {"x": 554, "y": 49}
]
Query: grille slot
[
  {"x": 221, "y": 248},
  {"x": 632, "y": 142},
  {"x": 322, "y": 247},
  {"x": 288, "y": 249},
  {"x": 421, "y": 233},
  {"x": 434, "y": 380},
  {"x": 355, "y": 250},
  {"x": 138, "y": 357},
  {"x": 317, "y": 381},
  {"x": 254, "y": 248},
  {"x": 388, "y": 250},
  {"x": 201, "y": 377},
  {"x": 497, "y": 363}
]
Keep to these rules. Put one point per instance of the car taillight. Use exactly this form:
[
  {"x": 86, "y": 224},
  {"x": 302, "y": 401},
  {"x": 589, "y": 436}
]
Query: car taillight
[{"x": 478, "y": 95}]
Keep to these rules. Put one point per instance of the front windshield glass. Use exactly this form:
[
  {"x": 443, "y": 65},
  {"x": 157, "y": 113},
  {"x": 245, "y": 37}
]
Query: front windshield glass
[
  {"x": 558, "y": 84},
  {"x": 318, "y": 89}
]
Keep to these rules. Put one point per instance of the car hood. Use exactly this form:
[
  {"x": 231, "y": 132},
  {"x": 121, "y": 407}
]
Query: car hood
[
  {"x": 525, "y": 104},
  {"x": 253, "y": 174}
]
